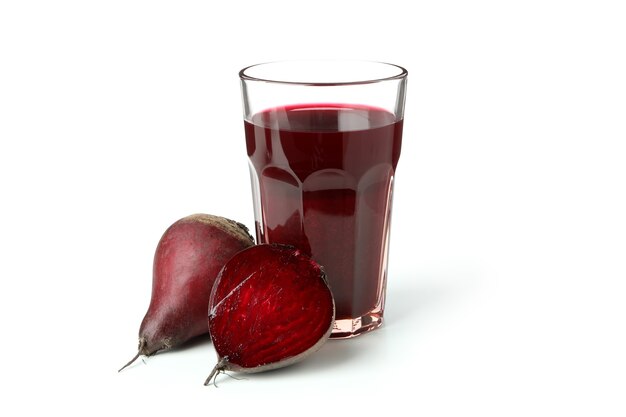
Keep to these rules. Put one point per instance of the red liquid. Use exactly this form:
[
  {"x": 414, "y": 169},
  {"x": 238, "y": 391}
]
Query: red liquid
[{"x": 324, "y": 175}]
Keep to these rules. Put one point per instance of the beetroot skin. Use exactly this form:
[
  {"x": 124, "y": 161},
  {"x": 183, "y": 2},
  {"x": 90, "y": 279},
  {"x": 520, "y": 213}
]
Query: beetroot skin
[
  {"x": 270, "y": 307},
  {"x": 187, "y": 261}
]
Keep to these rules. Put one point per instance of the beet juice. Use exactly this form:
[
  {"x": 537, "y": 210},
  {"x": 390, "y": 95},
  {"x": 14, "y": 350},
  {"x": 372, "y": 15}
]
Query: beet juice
[{"x": 322, "y": 181}]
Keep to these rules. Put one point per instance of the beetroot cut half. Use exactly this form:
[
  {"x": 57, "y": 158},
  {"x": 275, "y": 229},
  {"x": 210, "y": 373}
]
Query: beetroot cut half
[{"x": 270, "y": 307}]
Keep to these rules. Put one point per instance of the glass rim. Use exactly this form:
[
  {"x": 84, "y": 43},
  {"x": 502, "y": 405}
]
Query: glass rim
[{"x": 403, "y": 73}]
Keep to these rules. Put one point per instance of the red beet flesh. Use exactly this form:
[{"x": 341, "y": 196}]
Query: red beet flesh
[
  {"x": 187, "y": 261},
  {"x": 270, "y": 307}
]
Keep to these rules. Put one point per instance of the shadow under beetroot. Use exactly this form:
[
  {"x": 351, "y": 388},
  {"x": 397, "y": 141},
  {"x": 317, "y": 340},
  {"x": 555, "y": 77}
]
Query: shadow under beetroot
[
  {"x": 203, "y": 339},
  {"x": 334, "y": 354},
  {"x": 193, "y": 343}
]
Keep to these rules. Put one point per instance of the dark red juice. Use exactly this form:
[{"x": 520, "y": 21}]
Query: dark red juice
[{"x": 324, "y": 175}]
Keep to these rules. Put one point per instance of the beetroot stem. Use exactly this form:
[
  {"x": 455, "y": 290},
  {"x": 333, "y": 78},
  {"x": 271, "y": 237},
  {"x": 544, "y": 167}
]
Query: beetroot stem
[
  {"x": 219, "y": 367},
  {"x": 142, "y": 344}
]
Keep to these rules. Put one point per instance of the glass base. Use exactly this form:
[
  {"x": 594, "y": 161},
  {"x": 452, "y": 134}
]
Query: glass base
[{"x": 347, "y": 328}]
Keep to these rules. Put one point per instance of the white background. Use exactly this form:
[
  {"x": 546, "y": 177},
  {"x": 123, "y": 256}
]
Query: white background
[{"x": 507, "y": 292}]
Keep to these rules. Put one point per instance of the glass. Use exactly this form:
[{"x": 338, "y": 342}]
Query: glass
[{"x": 323, "y": 140}]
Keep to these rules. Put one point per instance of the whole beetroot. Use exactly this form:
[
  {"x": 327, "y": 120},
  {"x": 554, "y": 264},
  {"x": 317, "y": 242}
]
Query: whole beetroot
[{"x": 187, "y": 261}]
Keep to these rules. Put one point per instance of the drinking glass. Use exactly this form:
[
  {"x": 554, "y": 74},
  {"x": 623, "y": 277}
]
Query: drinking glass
[{"x": 323, "y": 140}]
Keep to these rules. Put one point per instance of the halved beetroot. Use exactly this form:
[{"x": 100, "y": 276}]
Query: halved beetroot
[{"x": 270, "y": 307}]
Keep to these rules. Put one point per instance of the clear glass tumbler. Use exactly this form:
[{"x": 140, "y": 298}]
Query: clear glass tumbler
[{"x": 324, "y": 139}]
